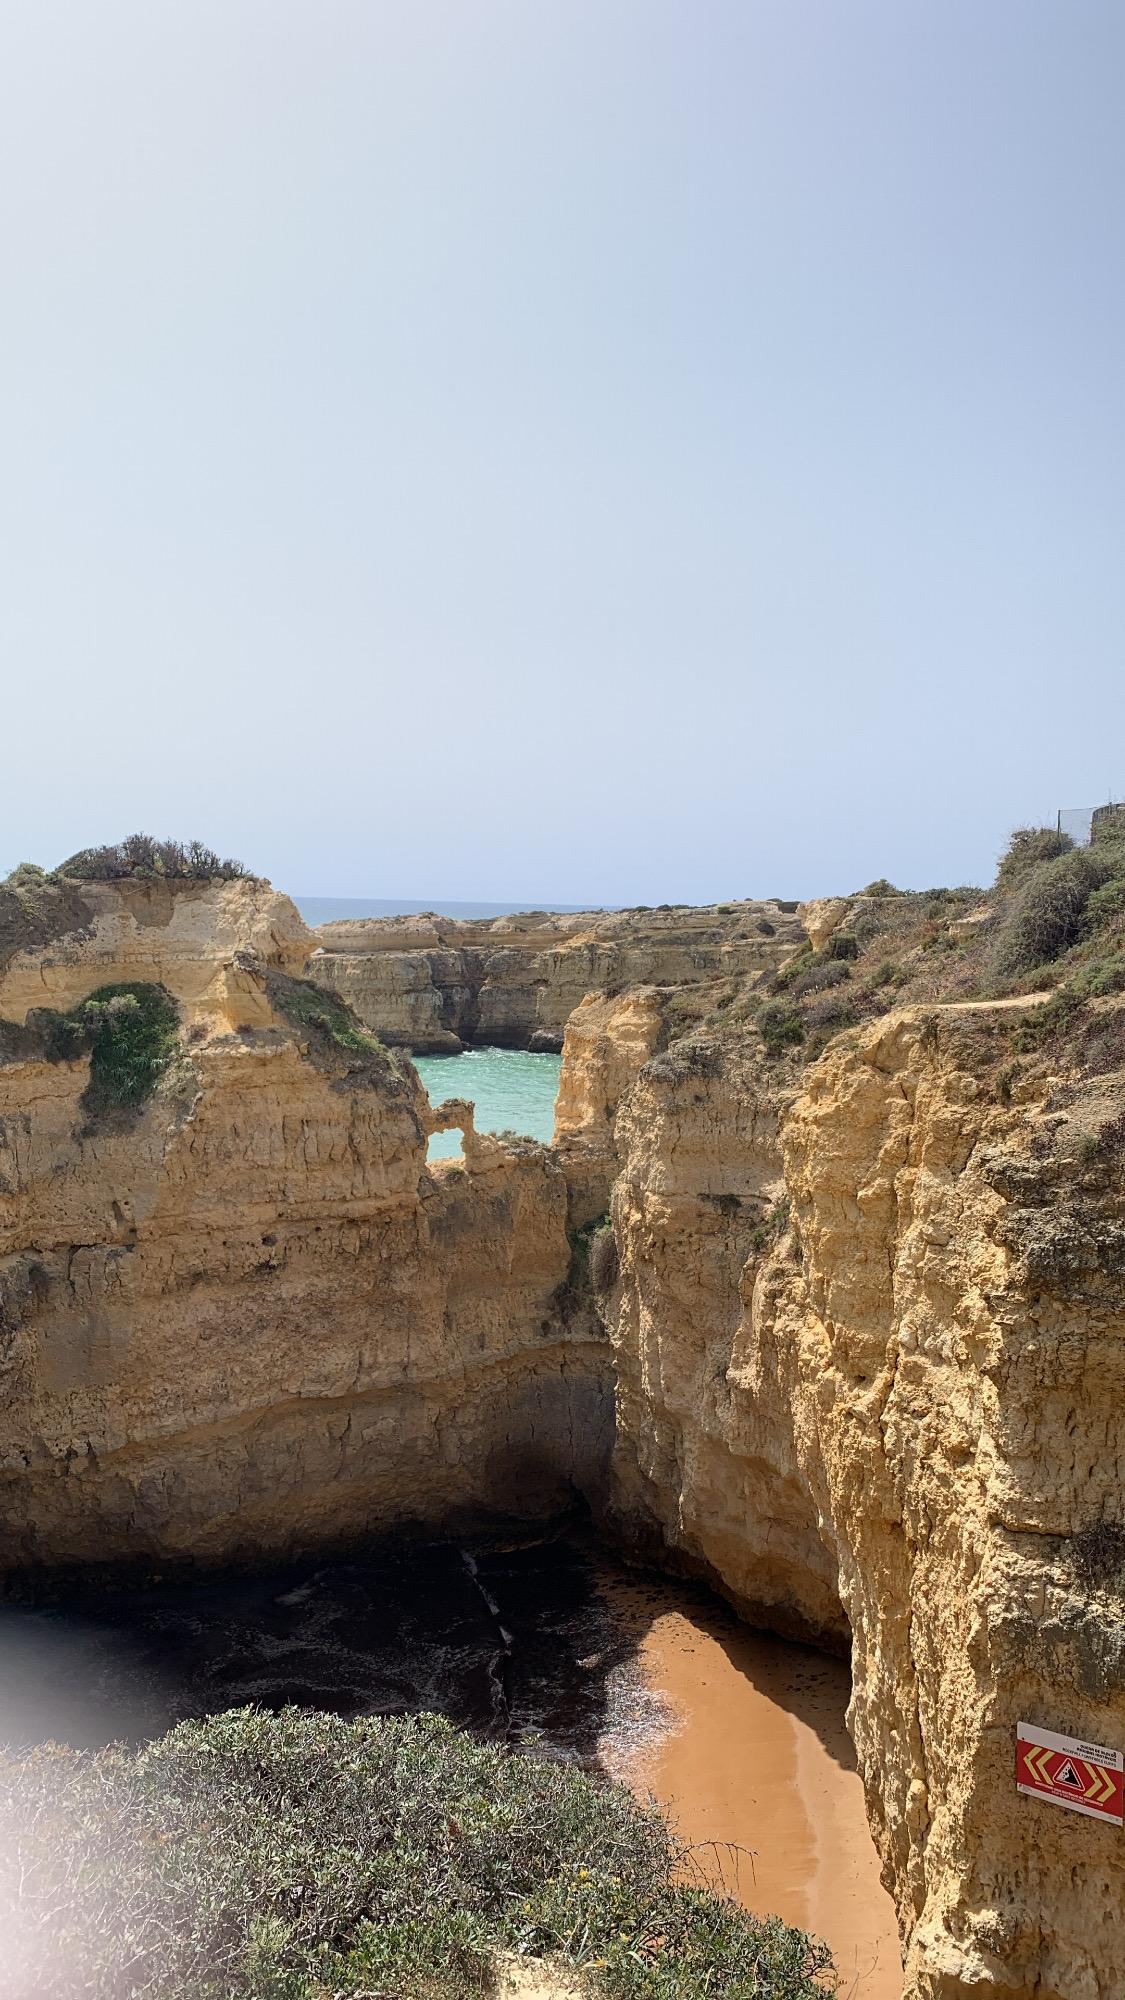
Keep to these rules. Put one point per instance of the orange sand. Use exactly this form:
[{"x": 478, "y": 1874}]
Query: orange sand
[{"x": 758, "y": 1756}]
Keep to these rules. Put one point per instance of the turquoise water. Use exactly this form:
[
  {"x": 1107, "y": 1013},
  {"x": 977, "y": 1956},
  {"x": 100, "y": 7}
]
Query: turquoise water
[{"x": 513, "y": 1091}]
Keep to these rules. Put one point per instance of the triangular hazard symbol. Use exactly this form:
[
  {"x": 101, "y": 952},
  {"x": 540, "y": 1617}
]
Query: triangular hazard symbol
[{"x": 1068, "y": 1776}]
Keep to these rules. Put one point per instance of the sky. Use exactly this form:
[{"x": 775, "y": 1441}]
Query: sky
[{"x": 561, "y": 450}]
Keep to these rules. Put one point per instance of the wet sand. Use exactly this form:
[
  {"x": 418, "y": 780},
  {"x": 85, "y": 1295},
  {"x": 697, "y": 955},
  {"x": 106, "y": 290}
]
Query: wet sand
[{"x": 757, "y": 1770}]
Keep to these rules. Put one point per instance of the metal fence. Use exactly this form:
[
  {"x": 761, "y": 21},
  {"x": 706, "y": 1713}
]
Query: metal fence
[{"x": 1080, "y": 821}]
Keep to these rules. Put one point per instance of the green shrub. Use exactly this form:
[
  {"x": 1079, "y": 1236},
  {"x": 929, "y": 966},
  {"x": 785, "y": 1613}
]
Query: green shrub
[
  {"x": 1106, "y": 904},
  {"x": 683, "y": 1060},
  {"x": 803, "y": 958},
  {"x": 829, "y": 1015},
  {"x": 131, "y": 1030},
  {"x": 881, "y": 887},
  {"x": 1099, "y": 977},
  {"x": 26, "y": 875},
  {"x": 1047, "y": 913},
  {"x": 821, "y": 974},
  {"x": 780, "y": 1026},
  {"x": 1040, "y": 1024},
  {"x": 140, "y": 855},
  {"x": 1027, "y": 849},
  {"x": 299, "y": 1856}
]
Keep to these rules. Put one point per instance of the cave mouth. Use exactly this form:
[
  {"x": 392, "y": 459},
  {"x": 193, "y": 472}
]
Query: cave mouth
[{"x": 511, "y": 1090}]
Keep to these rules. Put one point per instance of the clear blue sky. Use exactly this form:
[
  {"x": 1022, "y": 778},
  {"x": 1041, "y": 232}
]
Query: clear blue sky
[{"x": 562, "y": 448}]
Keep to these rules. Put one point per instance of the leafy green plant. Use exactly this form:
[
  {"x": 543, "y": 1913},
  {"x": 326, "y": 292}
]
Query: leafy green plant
[
  {"x": 330, "y": 1027},
  {"x": 131, "y": 1030},
  {"x": 290, "y": 1857},
  {"x": 780, "y": 1026}
]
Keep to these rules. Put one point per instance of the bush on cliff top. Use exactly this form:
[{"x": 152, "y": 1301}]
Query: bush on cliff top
[
  {"x": 298, "y": 1856},
  {"x": 1027, "y": 849},
  {"x": 131, "y": 1030},
  {"x": 141, "y": 856}
]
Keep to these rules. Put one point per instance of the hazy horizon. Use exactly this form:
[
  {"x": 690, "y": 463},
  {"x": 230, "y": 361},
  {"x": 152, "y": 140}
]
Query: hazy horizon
[{"x": 604, "y": 451}]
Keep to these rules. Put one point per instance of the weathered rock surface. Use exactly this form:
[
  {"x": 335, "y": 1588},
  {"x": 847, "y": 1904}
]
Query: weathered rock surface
[
  {"x": 433, "y": 984},
  {"x": 890, "y": 1423},
  {"x": 182, "y": 935},
  {"x": 866, "y": 1328},
  {"x": 252, "y": 1319}
]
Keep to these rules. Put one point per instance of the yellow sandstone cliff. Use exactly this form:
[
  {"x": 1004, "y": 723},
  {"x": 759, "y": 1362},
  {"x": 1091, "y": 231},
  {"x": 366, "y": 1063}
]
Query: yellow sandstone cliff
[
  {"x": 250, "y": 1317},
  {"x": 893, "y": 1417},
  {"x": 860, "y": 1361}
]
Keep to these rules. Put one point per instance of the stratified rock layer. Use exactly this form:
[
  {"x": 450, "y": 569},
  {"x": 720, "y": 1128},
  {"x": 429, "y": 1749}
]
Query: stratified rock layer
[
  {"x": 892, "y": 1421},
  {"x": 433, "y": 984},
  {"x": 250, "y": 1318}
]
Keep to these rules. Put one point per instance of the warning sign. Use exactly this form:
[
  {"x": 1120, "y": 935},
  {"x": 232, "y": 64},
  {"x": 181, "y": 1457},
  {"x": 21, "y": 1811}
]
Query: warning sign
[{"x": 1084, "y": 1776}]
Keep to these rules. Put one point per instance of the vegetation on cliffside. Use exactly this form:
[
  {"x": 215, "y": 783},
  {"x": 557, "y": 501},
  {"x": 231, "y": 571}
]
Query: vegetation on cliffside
[
  {"x": 301, "y": 1857},
  {"x": 131, "y": 1030},
  {"x": 1053, "y": 921},
  {"x": 333, "y": 1033}
]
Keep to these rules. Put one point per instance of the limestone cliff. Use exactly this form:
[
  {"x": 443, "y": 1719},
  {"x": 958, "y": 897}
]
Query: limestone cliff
[
  {"x": 249, "y": 1317},
  {"x": 900, "y": 1420},
  {"x": 433, "y": 984}
]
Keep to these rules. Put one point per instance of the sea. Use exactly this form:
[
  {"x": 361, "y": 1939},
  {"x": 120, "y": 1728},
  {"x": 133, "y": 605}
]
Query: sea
[{"x": 512, "y": 1090}]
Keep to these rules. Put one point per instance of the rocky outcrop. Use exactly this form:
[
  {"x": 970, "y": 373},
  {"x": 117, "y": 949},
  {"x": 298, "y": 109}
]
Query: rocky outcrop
[
  {"x": 608, "y": 1041},
  {"x": 249, "y": 1318},
  {"x": 71, "y": 937},
  {"x": 894, "y": 1417},
  {"x": 434, "y": 984}
]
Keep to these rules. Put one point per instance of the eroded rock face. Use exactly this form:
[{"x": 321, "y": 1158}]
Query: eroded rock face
[
  {"x": 433, "y": 984},
  {"x": 607, "y": 1042},
  {"x": 182, "y": 935},
  {"x": 892, "y": 1421},
  {"x": 250, "y": 1318},
  {"x": 866, "y": 1327}
]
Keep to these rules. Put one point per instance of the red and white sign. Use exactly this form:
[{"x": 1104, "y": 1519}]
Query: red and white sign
[{"x": 1067, "y": 1772}]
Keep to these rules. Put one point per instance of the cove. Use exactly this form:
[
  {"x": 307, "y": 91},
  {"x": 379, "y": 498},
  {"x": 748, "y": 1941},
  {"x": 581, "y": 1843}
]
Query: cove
[
  {"x": 552, "y": 1645},
  {"x": 513, "y": 1090}
]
